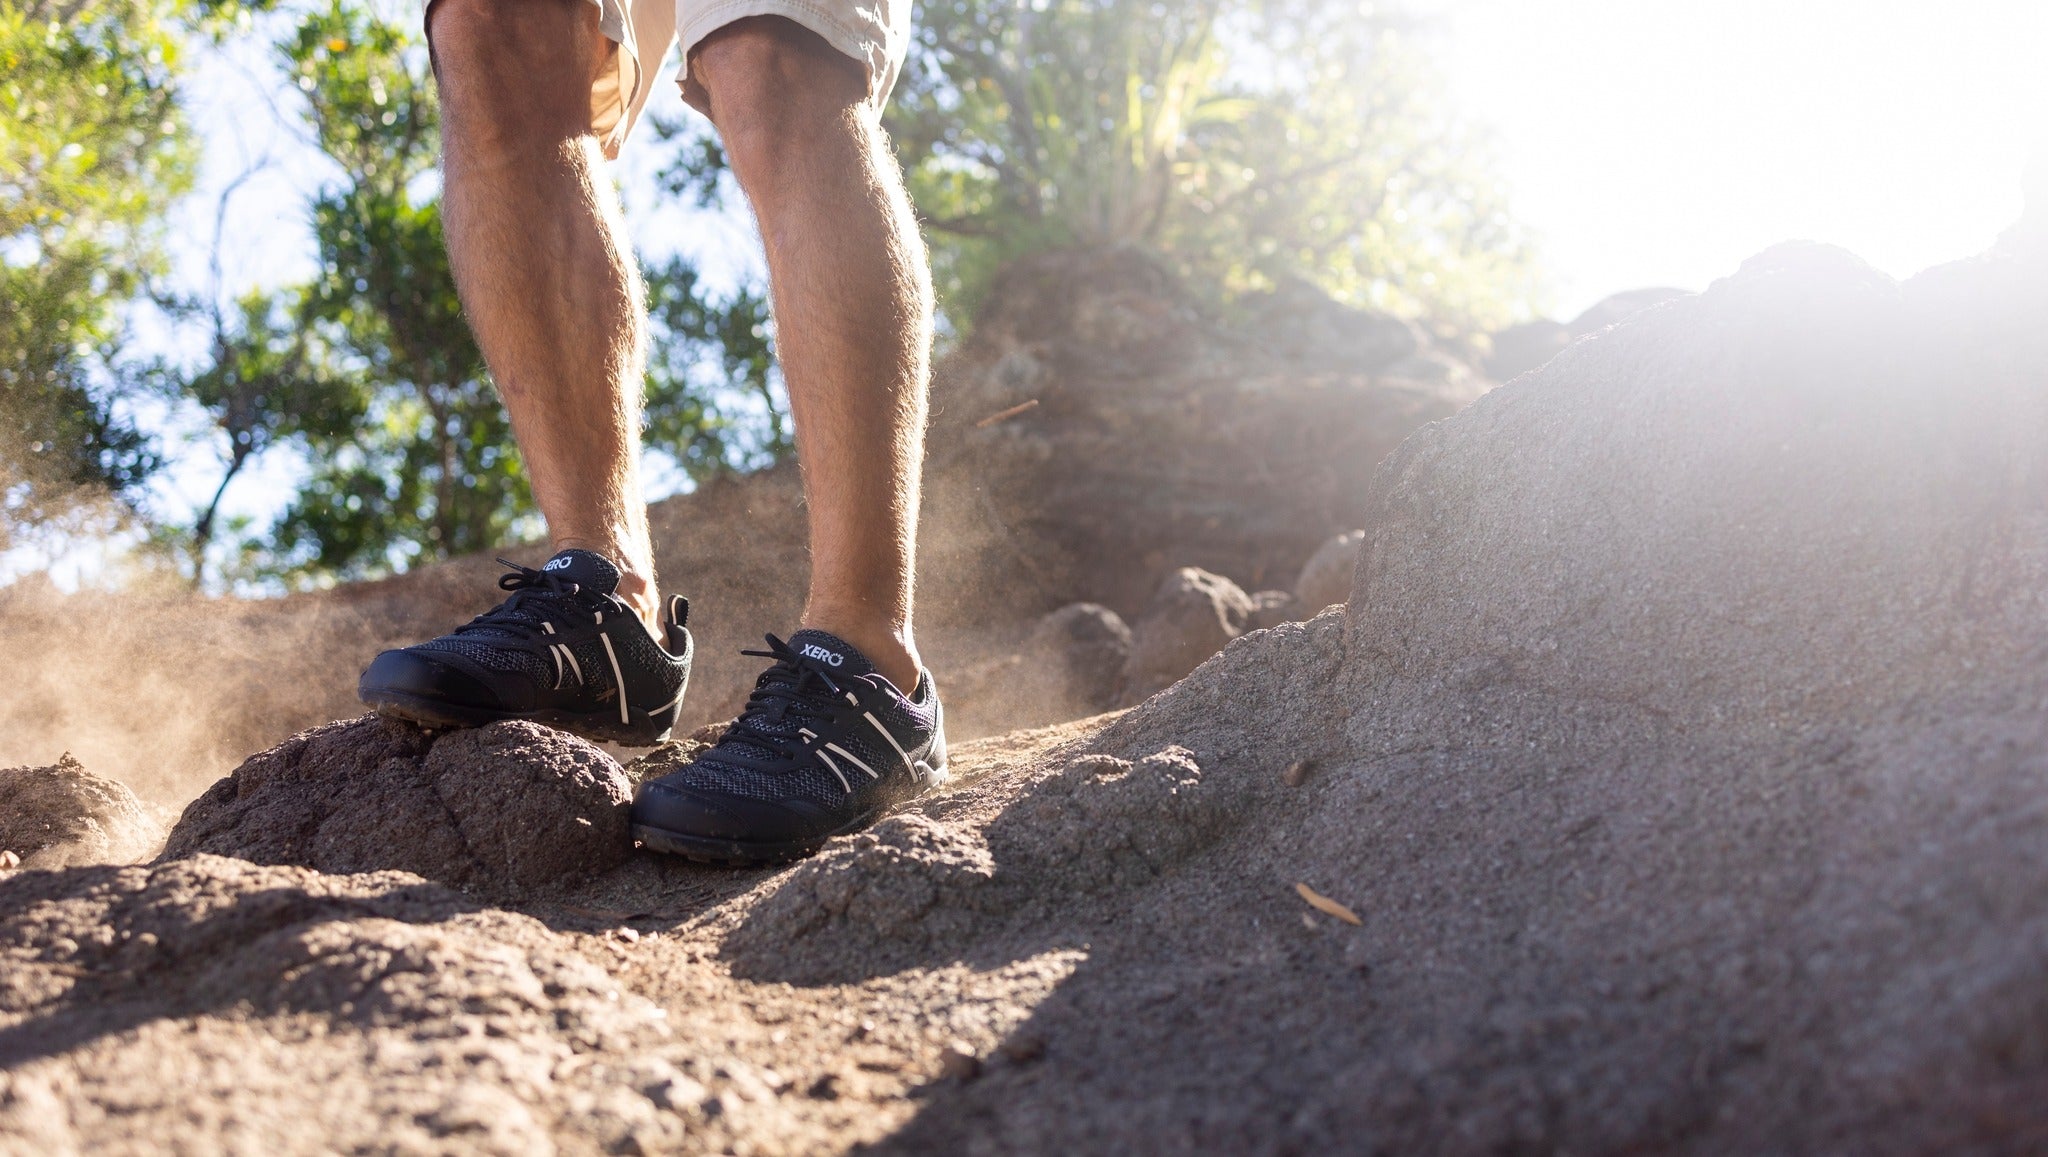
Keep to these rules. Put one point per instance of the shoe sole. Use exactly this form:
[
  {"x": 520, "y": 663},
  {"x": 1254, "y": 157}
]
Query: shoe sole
[
  {"x": 437, "y": 715},
  {"x": 758, "y": 853}
]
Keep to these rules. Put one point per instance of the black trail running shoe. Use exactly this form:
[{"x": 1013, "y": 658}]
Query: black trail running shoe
[
  {"x": 825, "y": 746},
  {"x": 563, "y": 650}
]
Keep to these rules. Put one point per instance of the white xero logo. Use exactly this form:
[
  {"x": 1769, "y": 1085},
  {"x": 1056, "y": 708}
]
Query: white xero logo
[
  {"x": 814, "y": 651},
  {"x": 556, "y": 564}
]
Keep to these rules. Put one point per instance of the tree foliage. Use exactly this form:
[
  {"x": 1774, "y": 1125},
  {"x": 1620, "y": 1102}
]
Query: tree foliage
[
  {"x": 420, "y": 461},
  {"x": 92, "y": 147},
  {"x": 1249, "y": 142},
  {"x": 371, "y": 374}
]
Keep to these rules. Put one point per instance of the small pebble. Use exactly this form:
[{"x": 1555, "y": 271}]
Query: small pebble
[
  {"x": 9, "y": 861},
  {"x": 1297, "y": 773},
  {"x": 959, "y": 1063}
]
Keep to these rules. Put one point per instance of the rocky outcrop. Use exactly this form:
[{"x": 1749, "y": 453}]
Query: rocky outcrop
[
  {"x": 505, "y": 809},
  {"x": 1688, "y": 733},
  {"x": 58, "y": 816}
]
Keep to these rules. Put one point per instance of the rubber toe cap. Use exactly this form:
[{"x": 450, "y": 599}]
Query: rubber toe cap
[{"x": 409, "y": 675}]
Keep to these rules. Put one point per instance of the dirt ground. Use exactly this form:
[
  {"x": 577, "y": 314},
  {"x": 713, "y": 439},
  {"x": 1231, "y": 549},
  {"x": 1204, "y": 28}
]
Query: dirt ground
[{"x": 1674, "y": 781}]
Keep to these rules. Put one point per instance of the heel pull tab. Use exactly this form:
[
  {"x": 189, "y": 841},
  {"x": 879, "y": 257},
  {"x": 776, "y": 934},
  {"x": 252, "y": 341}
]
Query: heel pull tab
[{"x": 678, "y": 611}]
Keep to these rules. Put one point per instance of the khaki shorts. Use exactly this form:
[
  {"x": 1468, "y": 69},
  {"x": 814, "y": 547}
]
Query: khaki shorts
[{"x": 874, "y": 32}]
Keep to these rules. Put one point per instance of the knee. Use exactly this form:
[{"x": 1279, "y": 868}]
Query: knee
[
  {"x": 772, "y": 84},
  {"x": 515, "y": 64},
  {"x": 466, "y": 37}
]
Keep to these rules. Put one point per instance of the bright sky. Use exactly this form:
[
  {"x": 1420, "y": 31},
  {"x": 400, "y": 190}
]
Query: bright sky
[
  {"x": 1646, "y": 142},
  {"x": 1660, "y": 142}
]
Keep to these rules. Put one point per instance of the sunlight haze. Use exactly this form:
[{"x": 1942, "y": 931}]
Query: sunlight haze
[{"x": 1663, "y": 143}]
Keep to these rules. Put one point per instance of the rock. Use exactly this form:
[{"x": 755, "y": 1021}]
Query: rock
[
  {"x": 1301, "y": 322},
  {"x": 58, "y": 816},
  {"x": 1326, "y": 579},
  {"x": 422, "y": 1022},
  {"x": 957, "y": 1062},
  {"x": 1083, "y": 647},
  {"x": 1687, "y": 746},
  {"x": 1103, "y": 823},
  {"x": 1069, "y": 666},
  {"x": 1192, "y": 615},
  {"x": 1521, "y": 348},
  {"x": 1693, "y": 480},
  {"x": 1620, "y": 307},
  {"x": 509, "y": 808},
  {"x": 884, "y": 900}
]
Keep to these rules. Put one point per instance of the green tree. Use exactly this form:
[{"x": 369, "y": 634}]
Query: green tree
[
  {"x": 1246, "y": 141},
  {"x": 423, "y": 465},
  {"x": 714, "y": 393},
  {"x": 92, "y": 147},
  {"x": 370, "y": 372}
]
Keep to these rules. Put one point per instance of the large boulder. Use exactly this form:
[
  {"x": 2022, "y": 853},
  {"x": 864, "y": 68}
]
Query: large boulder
[
  {"x": 61, "y": 815},
  {"x": 1679, "y": 759},
  {"x": 1796, "y": 495},
  {"x": 419, "y": 1022},
  {"x": 511, "y": 808}
]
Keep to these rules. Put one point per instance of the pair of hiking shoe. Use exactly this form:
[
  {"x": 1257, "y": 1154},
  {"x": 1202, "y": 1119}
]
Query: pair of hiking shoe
[{"x": 825, "y": 746}]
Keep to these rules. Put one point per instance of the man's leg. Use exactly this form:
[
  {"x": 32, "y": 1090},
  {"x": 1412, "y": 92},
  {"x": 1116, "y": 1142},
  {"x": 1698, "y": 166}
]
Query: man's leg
[
  {"x": 852, "y": 295},
  {"x": 541, "y": 263}
]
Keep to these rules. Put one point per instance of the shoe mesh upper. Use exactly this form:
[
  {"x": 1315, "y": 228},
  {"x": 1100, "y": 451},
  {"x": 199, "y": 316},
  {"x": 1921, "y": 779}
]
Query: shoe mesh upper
[
  {"x": 513, "y": 658},
  {"x": 807, "y": 777},
  {"x": 652, "y": 674}
]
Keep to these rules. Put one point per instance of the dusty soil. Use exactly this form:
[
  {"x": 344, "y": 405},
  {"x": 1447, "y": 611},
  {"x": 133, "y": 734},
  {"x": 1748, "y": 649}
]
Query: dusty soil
[{"x": 1673, "y": 782}]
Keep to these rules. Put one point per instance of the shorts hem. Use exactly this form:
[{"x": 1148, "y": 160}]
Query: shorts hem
[{"x": 860, "y": 44}]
